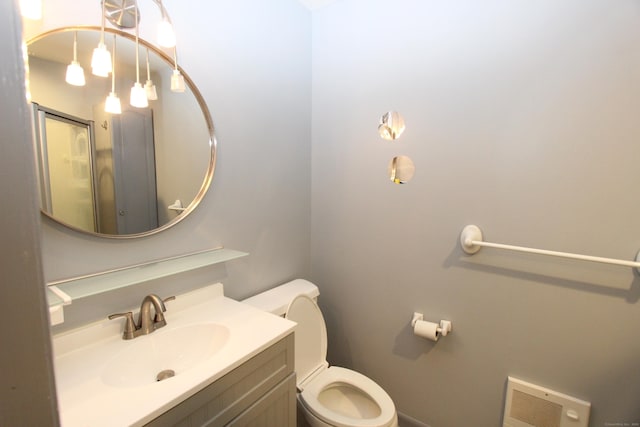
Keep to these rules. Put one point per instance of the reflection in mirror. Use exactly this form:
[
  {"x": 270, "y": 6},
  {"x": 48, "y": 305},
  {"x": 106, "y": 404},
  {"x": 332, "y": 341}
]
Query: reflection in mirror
[
  {"x": 116, "y": 175},
  {"x": 401, "y": 169},
  {"x": 66, "y": 157},
  {"x": 391, "y": 126}
]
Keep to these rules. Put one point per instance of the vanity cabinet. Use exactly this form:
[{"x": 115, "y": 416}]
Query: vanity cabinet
[{"x": 261, "y": 392}]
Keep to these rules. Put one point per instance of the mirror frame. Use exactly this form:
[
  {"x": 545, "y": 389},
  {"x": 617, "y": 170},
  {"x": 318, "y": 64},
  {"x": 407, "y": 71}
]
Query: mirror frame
[{"x": 205, "y": 112}]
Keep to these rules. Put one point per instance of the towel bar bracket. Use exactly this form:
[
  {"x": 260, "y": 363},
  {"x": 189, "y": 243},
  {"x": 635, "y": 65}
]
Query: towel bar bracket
[{"x": 470, "y": 234}]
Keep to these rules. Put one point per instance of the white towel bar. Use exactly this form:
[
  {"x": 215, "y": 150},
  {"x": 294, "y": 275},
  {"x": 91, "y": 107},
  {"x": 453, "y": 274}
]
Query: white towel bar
[{"x": 471, "y": 241}]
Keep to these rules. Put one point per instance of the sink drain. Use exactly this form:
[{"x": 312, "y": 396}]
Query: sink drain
[{"x": 163, "y": 375}]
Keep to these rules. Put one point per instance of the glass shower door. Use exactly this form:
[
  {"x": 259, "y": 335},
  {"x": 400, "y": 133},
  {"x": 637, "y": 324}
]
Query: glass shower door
[{"x": 66, "y": 168}]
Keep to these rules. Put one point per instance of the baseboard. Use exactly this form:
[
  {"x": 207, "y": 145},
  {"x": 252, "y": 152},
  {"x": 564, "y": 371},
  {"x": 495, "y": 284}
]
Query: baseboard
[{"x": 407, "y": 421}]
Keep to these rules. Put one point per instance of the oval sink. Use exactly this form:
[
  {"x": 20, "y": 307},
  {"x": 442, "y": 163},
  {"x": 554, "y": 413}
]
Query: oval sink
[{"x": 178, "y": 350}]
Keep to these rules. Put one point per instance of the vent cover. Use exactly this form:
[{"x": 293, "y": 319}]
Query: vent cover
[{"x": 529, "y": 405}]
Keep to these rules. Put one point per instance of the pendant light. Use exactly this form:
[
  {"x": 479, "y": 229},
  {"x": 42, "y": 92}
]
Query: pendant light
[
  {"x": 112, "y": 104},
  {"x": 138, "y": 96},
  {"x": 149, "y": 87},
  {"x": 31, "y": 9},
  {"x": 75, "y": 73},
  {"x": 101, "y": 59},
  {"x": 177, "y": 79},
  {"x": 166, "y": 34}
]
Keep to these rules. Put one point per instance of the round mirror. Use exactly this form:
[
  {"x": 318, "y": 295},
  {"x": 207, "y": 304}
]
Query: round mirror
[{"x": 116, "y": 175}]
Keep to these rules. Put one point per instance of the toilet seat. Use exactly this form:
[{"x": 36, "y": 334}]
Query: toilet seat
[
  {"x": 315, "y": 376},
  {"x": 363, "y": 384}
]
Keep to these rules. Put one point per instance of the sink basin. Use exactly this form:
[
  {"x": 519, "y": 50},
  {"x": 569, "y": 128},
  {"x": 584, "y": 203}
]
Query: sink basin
[
  {"x": 176, "y": 350},
  {"x": 105, "y": 381}
]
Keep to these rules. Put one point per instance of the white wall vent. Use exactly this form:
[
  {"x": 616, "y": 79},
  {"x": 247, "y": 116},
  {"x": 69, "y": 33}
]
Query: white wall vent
[{"x": 529, "y": 405}]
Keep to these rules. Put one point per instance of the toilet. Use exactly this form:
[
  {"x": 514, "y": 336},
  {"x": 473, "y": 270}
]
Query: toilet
[{"x": 327, "y": 395}]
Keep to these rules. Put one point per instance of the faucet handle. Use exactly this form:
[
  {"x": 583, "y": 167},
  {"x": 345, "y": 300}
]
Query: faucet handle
[{"x": 129, "y": 326}]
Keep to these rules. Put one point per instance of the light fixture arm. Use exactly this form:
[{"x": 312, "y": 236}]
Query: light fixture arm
[
  {"x": 113, "y": 67},
  {"x": 163, "y": 11},
  {"x": 75, "y": 46},
  {"x": 104, "y": 21},
  {"x": 175, "y": 58},
  {"x": 137, "y": 44},
  {"x": 148, "y": 69}
]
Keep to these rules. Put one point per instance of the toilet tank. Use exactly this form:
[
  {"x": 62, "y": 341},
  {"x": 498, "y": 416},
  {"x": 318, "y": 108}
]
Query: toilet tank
[{"x": 276, "y": 300}]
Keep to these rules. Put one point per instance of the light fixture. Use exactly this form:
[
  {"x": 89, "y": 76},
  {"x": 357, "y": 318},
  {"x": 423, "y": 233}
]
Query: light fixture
[
  {"x": 401, "y": 169},
  {"x": 121, "y": 14},
  {"x": 112, "y": 104},
  {"x": 138, "y": 96},
  {"x": 166, "y": 34},
  {"x": 101, "y": 59},
  {"x": 75, "y": 73},
  {"x": 31, "y": 9},
  {"x": 149, "y": 87},
  {"x": 177, "y": 79},
  {"x": 125, "y": 14},
  {"x": 391, "y": 126}
]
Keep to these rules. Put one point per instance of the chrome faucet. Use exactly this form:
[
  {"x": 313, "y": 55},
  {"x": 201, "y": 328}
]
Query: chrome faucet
[{"x": 146, "y": 324}]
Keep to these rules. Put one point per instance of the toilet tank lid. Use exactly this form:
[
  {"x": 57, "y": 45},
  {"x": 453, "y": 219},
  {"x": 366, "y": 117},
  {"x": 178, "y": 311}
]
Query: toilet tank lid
[{"x": 276, "y": 300}]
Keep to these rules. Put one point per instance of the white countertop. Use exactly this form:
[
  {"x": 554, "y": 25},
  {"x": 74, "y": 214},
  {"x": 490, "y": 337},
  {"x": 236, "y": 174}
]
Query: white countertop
[{"x": 81, "y": 357}]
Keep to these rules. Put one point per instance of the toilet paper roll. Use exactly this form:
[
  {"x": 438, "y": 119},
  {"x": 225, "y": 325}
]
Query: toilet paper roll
[{"x": 428, "y": 330}]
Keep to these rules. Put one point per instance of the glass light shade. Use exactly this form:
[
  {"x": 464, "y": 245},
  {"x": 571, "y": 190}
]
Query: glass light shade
[
  {"x": 150, "y": 89},
  {"x": 31, "y": 9},
  {"x": 101, "y": 61},
  {"x": 75, "y": 74},
  {"x": 177, "y": 82},
  {"x": 166, "y": 35},
  {"x": 401, "y": 169},
  {"x": 112, "y": 104},
  {"x": 391, "y": 126},
  {"x": 138, "y": 97}
]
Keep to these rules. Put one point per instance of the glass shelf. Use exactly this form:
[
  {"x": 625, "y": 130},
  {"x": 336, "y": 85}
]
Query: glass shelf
[
  {"x": 93, "y": 284},
  {"x": 54, "y": 299}
]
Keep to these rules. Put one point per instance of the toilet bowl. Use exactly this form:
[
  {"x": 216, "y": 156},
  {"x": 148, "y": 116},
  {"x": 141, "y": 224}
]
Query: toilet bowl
[
  {"x": 342, "y": 397},
  {"x": 327, "y": 396}
]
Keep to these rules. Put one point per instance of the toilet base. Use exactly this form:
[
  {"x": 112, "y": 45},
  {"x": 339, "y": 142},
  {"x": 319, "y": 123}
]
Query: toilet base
[
  {"x": 305, "y": 418},
  {"x": 301, "y": 420}
]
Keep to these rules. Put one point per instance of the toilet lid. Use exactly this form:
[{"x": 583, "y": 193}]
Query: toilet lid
[{"x": 310, "y": 338}]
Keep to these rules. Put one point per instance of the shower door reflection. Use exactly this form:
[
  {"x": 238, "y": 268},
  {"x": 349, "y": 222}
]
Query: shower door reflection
[{"x": 66, "y": 167}]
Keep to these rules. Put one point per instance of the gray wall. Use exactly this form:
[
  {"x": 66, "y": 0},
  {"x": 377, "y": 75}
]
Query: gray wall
[
  {"x": 27, "y": 392},
  {"x": 251, "y": 61},
  {"x": 522, "y": 118}
]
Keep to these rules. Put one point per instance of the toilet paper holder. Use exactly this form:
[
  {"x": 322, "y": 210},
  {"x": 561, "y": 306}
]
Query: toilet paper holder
[{"x": 441, "y": 329}]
